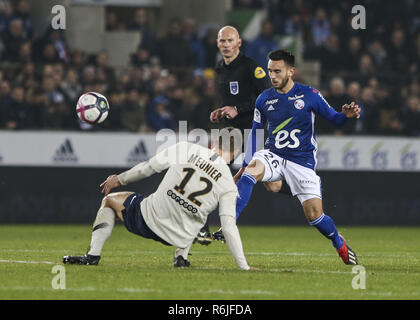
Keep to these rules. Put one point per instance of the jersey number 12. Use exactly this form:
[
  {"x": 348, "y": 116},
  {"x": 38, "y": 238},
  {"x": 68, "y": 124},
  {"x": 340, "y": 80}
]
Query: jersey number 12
[{"x": 192, "y": 196}]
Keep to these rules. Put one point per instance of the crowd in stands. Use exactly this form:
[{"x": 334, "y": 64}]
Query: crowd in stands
[{"x": 172, "y": 78}]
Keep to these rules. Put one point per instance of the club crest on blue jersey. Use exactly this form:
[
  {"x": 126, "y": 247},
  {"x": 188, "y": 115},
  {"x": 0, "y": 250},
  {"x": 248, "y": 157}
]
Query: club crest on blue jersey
[
  {"x": 234, "y": 87},
  {"x": 299, "y": 104}
]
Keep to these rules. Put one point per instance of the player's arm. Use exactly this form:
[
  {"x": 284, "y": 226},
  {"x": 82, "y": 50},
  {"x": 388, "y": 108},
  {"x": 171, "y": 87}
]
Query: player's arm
[
  {"x": 156, "y": 164},
  {"x": 322, "y": 107},
  {"x": 227, "y": 205}
]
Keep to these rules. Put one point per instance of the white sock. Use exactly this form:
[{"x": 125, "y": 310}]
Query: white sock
[
  {"x": 102, "y": 229},
  {"x": 182, "y": 252}
]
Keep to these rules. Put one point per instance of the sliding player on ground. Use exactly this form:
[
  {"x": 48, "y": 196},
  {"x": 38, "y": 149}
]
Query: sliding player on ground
[{"x": 197, "y": 181}]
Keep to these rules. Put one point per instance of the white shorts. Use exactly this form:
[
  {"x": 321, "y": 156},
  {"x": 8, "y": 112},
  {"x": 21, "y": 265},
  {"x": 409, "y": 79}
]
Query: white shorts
[{"x": 304, "y": 182}]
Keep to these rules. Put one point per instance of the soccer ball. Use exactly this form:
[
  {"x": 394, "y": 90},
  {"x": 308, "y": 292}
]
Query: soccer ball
[{"x": 92, "y": 107}]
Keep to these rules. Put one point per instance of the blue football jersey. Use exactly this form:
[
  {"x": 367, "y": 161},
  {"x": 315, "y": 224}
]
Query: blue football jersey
[{"x": 290, "y": 121}]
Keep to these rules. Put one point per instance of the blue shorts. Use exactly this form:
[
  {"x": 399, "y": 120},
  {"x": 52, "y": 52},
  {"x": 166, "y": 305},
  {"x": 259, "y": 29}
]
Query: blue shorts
[{"x": 133, "y": 218}]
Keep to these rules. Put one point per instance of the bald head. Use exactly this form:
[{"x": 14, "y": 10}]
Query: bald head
[
  {"x": 228, "y": 31},
  {"x": 228, "y": 42}
]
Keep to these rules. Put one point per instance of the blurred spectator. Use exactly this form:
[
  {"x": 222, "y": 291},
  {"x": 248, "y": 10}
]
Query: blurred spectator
[
  {"x": 116, "y": 101},
  {"x": 13, "y": 39},
  {"x": 16, "y": 112},
  {"x": 6, "y": 14},
  {"x": 331, "y": 55},
  {"x": 4, "y": 102},
  {"x": 320, "y": 27},
  {"x": 22, "y": 12},
  {"x": 189, "y": 30},
  {"x": 52, "y": 105},
  {"x": 411, "y": 116},
  {"x": 352, "y": 53},
  {"x": 294, "y": 26},
  {"x": 399, "y": 51},
  {"x": 378, "y": 54},
  {"x": 174, "y": 50},
  {"x": 103, "y": 71},
  {"x": 159, "y": 116},
  {"x": 366, "y": 68},
  {"x": 112, "y": 22},
  {"x": 141, "y": 24},
  {"x": 262, "y": 45},
  {"x": 77, "y": 60},
  {"x": 133, "y": 113},
  {"x": 51, "y": 46},
  {"x": 337, "y": 26},
  {"x": 141, "y": 57},
  {"x": 210, "y": 48},
  {"x": 25, "y": 53},
  {"x": 415, "y": 56},
  {"x": 71, "y": 87},
  {"x": 176, "y": 105},
  {"x": 208, "y": 103},
  {"x": 370, "y": 111}
]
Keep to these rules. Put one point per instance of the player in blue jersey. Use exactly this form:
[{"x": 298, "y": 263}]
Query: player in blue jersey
[{"x": 288, "y": 109}]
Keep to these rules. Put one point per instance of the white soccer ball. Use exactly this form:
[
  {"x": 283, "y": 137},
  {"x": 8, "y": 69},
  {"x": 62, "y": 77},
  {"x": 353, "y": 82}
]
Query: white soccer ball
[{"x": 92, "y": 107}]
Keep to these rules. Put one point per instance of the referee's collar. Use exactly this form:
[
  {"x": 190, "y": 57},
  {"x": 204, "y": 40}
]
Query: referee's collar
[{"x": 234, "y": 62}]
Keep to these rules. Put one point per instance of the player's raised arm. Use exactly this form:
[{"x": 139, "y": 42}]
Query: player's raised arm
[
  {"x": 227, "y": 204},
  {"x": 322, "y": 107},
  {"x": 156, "y": 164}
]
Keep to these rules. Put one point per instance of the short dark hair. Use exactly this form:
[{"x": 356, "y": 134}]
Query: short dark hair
[{"x": 285, "y": 55}]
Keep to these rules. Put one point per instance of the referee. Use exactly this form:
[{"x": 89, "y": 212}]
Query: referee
[{"x": 240, "y": 80}]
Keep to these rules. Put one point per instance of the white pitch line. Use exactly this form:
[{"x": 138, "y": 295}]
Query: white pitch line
[
  {"x": 27, "y": 262},
  {"x": 303, "y": 254},
  {"x": 221, "y": 291}
]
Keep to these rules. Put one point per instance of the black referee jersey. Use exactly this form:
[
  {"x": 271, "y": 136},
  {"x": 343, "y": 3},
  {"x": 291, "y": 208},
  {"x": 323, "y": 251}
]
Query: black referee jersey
[{"x": 239, "y": 84}]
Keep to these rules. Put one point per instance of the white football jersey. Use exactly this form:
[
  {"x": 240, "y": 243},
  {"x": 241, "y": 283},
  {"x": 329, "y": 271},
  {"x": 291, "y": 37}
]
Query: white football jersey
[{"x": 196, "y": 181}]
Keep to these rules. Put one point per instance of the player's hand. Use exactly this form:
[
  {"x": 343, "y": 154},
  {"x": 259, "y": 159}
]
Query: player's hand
[
  {"x": 110, "y": 183},
  {"x": 229, "y": 112},
  {"x": 216, "y": 115},
  {"x": 351, "y": 110},
  {"x": 238, "y": 175}
]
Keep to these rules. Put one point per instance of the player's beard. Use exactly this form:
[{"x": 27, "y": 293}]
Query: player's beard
[{"x": 283, "y": 83}]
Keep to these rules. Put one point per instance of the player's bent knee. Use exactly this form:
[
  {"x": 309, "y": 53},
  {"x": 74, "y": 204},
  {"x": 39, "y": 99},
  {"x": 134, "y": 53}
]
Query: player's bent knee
[
  {"x": 256, "y": 169},
  {"x": 115, "y": 200}
]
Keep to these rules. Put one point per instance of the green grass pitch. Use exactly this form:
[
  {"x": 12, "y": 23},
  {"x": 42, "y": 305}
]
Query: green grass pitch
[{"x": 295, "y": 263}]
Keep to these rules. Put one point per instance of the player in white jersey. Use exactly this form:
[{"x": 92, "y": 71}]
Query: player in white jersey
[{"x": 197, "y": 181}]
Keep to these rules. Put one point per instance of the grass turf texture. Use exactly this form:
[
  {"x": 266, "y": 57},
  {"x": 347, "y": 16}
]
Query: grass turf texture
[{"x": 295, "y": 263}]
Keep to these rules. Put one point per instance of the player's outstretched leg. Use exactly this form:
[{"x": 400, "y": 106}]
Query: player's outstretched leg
[
  {"x": 325, "y": 225},
  {"x": 254, "y": 172},
  {"x": 111, "y": 207},
  {"x": 181, "y": 258}
]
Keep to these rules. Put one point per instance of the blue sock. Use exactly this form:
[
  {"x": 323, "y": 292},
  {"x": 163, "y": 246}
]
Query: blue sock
[
  {"x": 326, "y": 226},
  {"x": 245, "y": 186}
]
